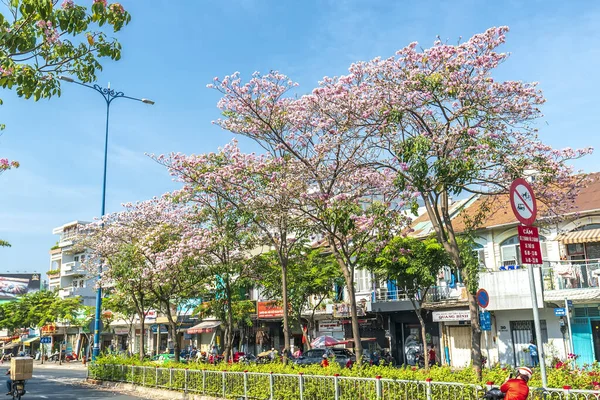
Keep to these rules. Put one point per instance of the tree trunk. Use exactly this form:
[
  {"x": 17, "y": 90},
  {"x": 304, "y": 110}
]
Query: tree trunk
[
  {"x": 423, "y": 332},
  {"x": 229, "y": 328},
  {"x": 286, "y": 317},
  {"x": 442, "y": 225},
  {"x": 172, "y": 329},
  {"x": 348, "y": 272},
  {"x": 475, "y": 335},
  {"x": 175, "y": 338},
  {"x": 142, "y": 336},
  {"x": 424, "y": 340},
  {"x": 355, "y": 325}
]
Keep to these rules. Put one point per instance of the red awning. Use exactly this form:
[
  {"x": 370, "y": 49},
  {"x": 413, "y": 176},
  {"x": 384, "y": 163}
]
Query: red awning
[{"x": 204, "y": 327}]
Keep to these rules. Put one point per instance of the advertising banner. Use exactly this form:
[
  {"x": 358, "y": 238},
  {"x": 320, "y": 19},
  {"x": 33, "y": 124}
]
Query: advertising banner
[{"x": 13, "y": 285}]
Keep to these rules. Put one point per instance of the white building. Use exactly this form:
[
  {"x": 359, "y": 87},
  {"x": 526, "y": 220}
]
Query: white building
[{"x": 66, "y": 273}]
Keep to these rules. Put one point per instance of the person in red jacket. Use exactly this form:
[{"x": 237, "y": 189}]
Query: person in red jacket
[
  {"x": 325, "y": 362},
  {"x": 517, "y": 389}
]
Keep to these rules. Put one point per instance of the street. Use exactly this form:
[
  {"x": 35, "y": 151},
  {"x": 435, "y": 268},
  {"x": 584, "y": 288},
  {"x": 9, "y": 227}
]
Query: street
[{"x": 59, "y": 383}]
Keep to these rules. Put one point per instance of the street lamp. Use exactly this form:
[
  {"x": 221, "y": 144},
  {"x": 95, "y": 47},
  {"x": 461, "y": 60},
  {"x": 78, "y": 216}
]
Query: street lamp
[{"x": 109, "y": 95}]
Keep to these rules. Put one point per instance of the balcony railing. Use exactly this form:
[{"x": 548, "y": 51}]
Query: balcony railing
[
  {"x": 434, "y": 295},
  {"x": 571, "y": 274},
  {"x": 438, "y": 294},
  {"x": 383, "y": 295}
]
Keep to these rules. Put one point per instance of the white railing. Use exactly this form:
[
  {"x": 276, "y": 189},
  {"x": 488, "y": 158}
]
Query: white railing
[
  {"x": 435, "y": 294},
  {"x": 263, "y": 386},
  {"x": 383, "y": 295}
]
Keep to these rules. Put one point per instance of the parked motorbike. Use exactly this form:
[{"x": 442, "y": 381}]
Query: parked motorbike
[
  {"x": 494, "y": 394},
  {"x": 421, "y": 361},
  {"x": 54, "y": 356}
]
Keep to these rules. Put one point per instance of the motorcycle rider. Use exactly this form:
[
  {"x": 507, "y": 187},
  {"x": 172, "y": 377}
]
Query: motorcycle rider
[
  {"x": 9, "y": 383},
  {"x": 517, "y": 389}
]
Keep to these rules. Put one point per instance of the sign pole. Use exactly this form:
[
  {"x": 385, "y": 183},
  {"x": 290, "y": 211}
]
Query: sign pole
[
  {"x": 538, "y": 328},
  {"x": 567, "y": 308},
  {"x": 524, "y": 206},
  {"x": 487, "y": 351}
]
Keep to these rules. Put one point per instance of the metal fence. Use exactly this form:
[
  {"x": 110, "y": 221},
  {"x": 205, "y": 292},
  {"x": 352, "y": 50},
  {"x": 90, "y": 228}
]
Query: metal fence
[{"x": 270, "y": 386}]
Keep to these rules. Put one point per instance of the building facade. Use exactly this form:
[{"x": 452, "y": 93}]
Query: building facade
[{"x": 66, "y": 273}]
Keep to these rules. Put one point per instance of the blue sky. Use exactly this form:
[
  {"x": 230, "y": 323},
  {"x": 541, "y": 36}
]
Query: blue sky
[{"x": 172, "y": 49}]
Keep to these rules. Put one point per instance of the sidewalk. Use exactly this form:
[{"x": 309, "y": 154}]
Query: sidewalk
[{"x": 55, "y": 365}]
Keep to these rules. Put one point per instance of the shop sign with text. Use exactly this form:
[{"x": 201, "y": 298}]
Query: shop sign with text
[{"x": 451, "y": 315}]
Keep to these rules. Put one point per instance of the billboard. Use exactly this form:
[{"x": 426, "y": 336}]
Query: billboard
[{"x": 13, "y": 285}]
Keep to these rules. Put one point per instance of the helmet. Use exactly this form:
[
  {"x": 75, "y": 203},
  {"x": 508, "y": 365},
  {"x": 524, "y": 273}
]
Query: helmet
[
  {"x": 525, "y": 372},
  {"x": 324, "y": 355}
]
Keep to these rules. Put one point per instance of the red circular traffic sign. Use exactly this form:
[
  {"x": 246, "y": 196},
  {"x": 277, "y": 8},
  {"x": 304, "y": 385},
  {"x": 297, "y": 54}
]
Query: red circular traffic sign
[{"x": 522, "y": 201}]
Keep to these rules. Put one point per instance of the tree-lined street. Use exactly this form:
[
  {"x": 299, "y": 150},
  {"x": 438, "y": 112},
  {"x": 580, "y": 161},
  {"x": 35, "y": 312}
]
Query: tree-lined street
[{"x": 348, "y": 225}]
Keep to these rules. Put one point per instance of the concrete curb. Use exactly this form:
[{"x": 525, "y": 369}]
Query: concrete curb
[{"x": 143, "y": 391}]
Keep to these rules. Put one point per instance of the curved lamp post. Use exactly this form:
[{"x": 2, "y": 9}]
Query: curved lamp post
[{"x": 109, "y": 95}]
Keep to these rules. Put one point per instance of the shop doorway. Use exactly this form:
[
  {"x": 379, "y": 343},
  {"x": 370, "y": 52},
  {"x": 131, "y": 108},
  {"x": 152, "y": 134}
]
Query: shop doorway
[{"x": 522, "y": 334}]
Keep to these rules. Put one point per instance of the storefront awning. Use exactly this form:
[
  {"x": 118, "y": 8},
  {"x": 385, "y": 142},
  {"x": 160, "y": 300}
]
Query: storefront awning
[
  {"x": 204, "y": 327},
  {"x": 586, "y": 236},
  {"x": 28, "y": 341},
  {"x": 9, "y": 346}
]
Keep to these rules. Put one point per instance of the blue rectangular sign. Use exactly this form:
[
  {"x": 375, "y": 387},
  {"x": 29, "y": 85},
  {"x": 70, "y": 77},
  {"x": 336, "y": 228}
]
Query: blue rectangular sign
[
  {"x": 560, "y": 312},
  {"x": 46, "y": 340},
  {"x": 485, "y": 321}
]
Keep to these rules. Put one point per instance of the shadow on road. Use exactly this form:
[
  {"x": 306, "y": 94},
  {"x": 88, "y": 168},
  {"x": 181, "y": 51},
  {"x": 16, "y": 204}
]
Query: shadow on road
[{"x": 65, "y": 386}]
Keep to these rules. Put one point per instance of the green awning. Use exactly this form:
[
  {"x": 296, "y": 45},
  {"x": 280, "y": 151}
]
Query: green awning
[{"x": 28, "y": 341}]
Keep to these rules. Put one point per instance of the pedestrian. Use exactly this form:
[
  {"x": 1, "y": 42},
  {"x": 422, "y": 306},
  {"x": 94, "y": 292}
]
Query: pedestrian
[
  {"x": 213, "y": 355},
  {"x": 432, "y": 355},
  {"x": 349, "y": 363},
  {"x": 517, "y": 389},
  {"x": 298, "y": 353},
  {"x": 273, "y": 354},
  {"x": 533, "y": 352},
  {"x": 325, "y": 361}
]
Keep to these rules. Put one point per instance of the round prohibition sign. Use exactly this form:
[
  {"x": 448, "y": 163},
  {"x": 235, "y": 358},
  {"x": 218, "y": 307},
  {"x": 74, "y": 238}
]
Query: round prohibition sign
[
  {"x": 483, "y": 298},
  {"x": 522, "y": 201}
]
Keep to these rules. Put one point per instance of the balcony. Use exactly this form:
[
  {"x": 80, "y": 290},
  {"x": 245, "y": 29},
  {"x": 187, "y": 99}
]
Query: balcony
[
  {"x": 66, "y": 292},
  {"x": 68, "y": 238},
  {"x": 73, "y": 268},
  {"x": 438, "y": 294},
  {"x": 574, "y": 279}
]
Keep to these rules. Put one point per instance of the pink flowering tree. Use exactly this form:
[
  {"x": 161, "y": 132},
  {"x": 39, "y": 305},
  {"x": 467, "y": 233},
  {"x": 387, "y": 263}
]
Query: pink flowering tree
[
  {"x": 226, "y": 242},
  {"x": 346, "y": 200},
  {"x": 5, "y": 165},
  {"x": 447, "y": 127},
  {"x": 153, "y": 252},
  {"x": 264, "y": 189}
]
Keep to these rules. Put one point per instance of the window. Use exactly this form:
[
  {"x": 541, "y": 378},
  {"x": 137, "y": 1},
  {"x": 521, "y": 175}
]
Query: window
[
  {"x": 82, "y": 258},
  {"x": 361, "y": 280},
  {"x": 82, "y": 283},
  {"x": 76, "y": 258},
  {"x": 479, "y": 253},
  {"x": 75, "y": 283}
]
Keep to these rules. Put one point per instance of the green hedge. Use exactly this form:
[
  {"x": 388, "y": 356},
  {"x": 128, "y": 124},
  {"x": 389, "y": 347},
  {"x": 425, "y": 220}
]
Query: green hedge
[{"x": 557, "y": 377}]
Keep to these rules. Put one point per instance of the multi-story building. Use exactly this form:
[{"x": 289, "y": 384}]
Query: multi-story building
[
  {"x": 569, "y": 275},
  {"x": 67, "y": 274}
]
